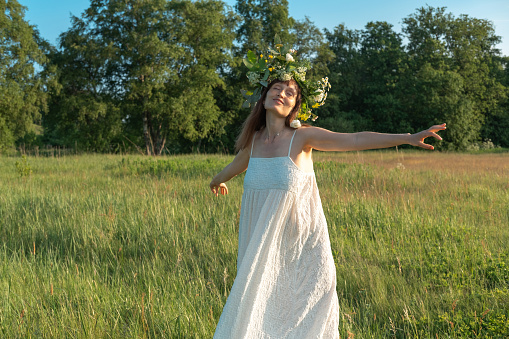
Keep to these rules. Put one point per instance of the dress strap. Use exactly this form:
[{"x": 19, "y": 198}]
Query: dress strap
[
  {"x": 290, "y": 148},
  {"x": 252, "y": 144}
]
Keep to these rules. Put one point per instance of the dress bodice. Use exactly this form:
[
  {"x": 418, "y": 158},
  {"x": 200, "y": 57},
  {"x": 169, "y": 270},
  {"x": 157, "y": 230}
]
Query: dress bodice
[{"x": 278, "y": 173}]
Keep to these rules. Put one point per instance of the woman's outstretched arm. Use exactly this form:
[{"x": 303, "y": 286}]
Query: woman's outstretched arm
[
  {"x": 324, "y": 140},
  {"x": 237, "y": 166}
]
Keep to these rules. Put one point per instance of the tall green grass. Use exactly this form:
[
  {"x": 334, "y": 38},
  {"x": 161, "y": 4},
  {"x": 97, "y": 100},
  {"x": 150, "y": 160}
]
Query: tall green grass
[{"x": 98, "y": 246}]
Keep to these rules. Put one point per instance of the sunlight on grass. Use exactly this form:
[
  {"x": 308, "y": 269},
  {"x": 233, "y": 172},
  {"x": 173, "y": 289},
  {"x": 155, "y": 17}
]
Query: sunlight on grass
[{"x": 99, "y": 246}]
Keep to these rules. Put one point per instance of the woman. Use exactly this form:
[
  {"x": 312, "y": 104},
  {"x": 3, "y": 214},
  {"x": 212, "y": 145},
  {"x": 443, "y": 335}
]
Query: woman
[{"x": 286, "y": 280}]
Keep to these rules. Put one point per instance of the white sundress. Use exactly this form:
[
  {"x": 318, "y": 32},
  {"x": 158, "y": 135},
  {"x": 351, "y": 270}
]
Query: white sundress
[{"x": 286, "y": 278}]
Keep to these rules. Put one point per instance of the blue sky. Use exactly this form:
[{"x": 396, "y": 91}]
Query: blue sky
[{"x": 52, "y": 17}]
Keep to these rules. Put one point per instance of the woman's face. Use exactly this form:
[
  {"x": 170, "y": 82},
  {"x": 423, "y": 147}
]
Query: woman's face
[{"x": 281, "y": 98}]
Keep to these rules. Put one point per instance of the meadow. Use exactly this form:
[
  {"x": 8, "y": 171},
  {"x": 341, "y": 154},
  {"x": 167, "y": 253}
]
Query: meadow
[{"x": 112, "y": 246}]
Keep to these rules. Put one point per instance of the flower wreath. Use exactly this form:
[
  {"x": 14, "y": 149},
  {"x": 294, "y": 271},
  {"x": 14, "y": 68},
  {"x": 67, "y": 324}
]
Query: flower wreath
[{"x": 280, "y": 63}]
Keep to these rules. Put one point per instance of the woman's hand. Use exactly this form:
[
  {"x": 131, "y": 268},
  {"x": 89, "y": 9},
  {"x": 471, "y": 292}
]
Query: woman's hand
[
  {"x": 217, "y": 188},
  {"x": 237, "y": 166},
  {"x": 417, "y": 139}
]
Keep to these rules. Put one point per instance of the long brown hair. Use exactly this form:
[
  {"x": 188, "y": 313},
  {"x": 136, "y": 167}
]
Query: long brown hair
[{"x": 257, "y": 118}]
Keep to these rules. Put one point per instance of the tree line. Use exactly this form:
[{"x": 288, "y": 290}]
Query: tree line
[{"x": 165, "y": 76}]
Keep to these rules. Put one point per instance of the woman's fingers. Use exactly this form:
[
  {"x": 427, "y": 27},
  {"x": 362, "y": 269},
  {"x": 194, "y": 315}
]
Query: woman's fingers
[
  {"x": 214, "y": 191},
  {"x": 437, "y": 128},
  {"x": 221, "y": 188},
  {"x": 426, "y": 146},
  {"x": 224, "y": 190},
  {"x": 436, "y": 136},
  {"x": 431, "y": 132}
]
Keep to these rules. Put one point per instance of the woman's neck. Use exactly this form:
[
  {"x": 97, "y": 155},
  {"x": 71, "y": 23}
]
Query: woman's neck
[{"x": 274, "y": 126}]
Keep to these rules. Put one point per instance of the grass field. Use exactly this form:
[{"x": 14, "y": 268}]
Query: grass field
[{"x": 103, "y": 246}]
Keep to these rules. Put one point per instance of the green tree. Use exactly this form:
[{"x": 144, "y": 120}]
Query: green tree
[
  {"x": 448, "y": 78},
  {"x": 261, "y": 20},
  {"x": 496, "y": 125},
  {"x": 82, "y": 112},
  {"x": 22, "y": 94},
  {"x": 383, "y": 61},
  {"x": 310, "y": 43},
  {"x": 155, "y": 62},
  {"x": 365, "y": 77},
  {"x": 342, "y": 111}
]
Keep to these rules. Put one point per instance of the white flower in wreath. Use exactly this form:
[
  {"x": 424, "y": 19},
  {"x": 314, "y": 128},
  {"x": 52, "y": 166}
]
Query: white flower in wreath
[
  {"x": 286, "y": 76},
  {"x": 300, "y": 76},
  {"x": 289, "y": 57},
  {"x": 295, "y": 124},
  {"x": 253, "y": 77},
  {"x": 320, "y": 96}
]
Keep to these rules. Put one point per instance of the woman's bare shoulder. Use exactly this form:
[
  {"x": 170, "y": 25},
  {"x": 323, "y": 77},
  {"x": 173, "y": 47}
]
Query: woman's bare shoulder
[{"x": 312, "y": 131}]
